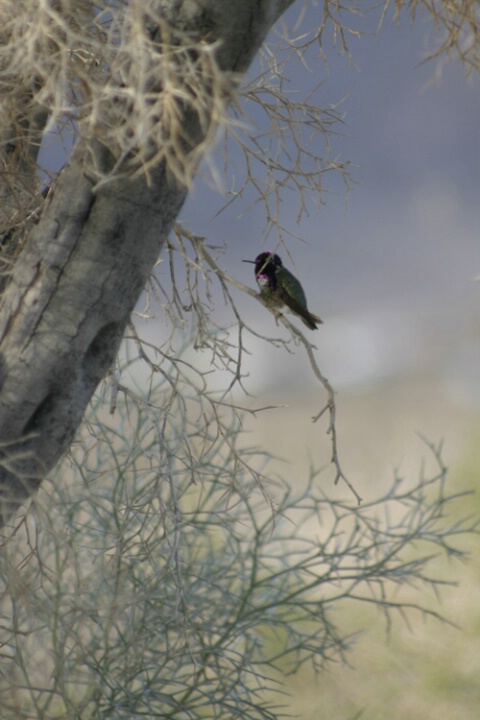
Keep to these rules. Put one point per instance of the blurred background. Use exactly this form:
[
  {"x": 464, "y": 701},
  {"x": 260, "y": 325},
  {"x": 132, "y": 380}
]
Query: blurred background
[
  {"x": 392, "y": 269},
  {"x": 392, "y": 266}
]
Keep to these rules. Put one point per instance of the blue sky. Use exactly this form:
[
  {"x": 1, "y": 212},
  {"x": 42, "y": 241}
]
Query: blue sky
[
  {"x": 392, "y": 270},
  {"x": 402, "y": 257}
]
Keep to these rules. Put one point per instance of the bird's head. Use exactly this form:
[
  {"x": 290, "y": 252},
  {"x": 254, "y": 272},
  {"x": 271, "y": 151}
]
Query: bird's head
[{"x": 266, "y": 264}]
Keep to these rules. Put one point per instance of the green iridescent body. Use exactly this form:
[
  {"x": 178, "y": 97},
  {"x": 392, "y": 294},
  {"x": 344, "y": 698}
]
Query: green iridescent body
[{"x": 281, "y": 290}]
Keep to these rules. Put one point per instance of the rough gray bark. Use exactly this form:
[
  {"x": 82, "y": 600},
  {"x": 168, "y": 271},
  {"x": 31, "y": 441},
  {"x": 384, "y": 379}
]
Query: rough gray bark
[{"x": 83, "y": 267}]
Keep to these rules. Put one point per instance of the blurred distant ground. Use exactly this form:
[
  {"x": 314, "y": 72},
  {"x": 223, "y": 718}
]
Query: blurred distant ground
[
  {"x": 392, "y": 273},
  {"x": 425, "y": 670},
  {"x": 379, "y": 430}
]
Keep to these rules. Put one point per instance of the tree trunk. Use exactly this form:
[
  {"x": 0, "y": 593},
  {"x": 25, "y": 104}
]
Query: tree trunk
[{"x": 84, "y": 264}]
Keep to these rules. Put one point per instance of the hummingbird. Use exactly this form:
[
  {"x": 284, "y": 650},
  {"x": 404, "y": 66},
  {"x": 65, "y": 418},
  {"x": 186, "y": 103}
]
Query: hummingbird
[{"x": 280, "y": 289}]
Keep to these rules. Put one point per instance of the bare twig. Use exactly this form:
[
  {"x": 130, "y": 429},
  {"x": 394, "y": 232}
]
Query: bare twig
[{"x": 225, "y": 280}]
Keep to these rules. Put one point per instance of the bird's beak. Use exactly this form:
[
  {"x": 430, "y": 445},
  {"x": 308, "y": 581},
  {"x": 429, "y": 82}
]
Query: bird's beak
[{"x": 250, "y": 261}]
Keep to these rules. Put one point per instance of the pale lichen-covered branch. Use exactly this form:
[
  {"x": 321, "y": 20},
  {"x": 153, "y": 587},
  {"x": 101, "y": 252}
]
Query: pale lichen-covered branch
[{"x": 86, "y": 255}]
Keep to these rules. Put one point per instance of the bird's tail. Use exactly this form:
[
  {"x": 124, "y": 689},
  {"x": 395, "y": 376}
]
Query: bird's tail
[{"x": 310, "y": 320}]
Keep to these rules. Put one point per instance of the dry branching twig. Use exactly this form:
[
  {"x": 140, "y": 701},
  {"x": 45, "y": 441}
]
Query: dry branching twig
[
  {"x": 235, "y": 355},
  {"x": 162, "y": 571}
]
